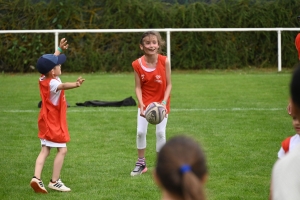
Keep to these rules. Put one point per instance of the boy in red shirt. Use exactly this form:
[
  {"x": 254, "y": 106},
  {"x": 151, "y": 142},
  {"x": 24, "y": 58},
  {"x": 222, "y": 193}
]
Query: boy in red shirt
[{"x": 52, "y": 122}]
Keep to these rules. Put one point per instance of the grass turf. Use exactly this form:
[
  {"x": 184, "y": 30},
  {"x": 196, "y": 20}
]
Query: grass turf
[{"x": 238, "y": 117}]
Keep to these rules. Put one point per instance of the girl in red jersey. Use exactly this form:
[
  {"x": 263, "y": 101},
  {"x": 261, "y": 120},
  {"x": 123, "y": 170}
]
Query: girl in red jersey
[
  {"x": 152, "y": 74},
  {"x": 52, "y": 122}
]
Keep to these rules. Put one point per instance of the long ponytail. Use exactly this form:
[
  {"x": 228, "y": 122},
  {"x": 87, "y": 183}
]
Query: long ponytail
[{"x": 192, "y": 188}]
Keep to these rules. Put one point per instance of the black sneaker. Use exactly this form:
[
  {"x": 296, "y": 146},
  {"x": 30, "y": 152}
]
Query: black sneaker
[{"x": 139, "y": 169}]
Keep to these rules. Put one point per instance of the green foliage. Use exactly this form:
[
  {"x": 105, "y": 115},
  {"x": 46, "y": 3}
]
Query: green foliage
[{"x": 114, "y": 52}]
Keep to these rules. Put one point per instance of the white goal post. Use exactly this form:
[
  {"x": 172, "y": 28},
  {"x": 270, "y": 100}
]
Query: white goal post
[{"x": 166, "y": 30}]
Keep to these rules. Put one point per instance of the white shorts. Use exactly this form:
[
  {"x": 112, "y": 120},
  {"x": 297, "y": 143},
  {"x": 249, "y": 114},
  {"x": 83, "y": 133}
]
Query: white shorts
[{"x": 52, "y": 144}]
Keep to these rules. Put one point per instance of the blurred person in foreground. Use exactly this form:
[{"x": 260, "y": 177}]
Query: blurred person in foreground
[
  {"x": 285, "y": 180},
  {"x": 181, "y": 170},
  {"x": 289, "y": 143}
]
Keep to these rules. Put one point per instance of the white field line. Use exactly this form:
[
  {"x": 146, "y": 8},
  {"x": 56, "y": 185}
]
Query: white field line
[{"x": 70, "y": 110}]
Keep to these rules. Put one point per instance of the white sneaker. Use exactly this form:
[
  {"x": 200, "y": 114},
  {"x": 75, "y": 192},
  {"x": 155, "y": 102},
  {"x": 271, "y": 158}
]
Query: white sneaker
[
  {"x": 38, "y": 185},
  {"x": 59, "y": 186}
]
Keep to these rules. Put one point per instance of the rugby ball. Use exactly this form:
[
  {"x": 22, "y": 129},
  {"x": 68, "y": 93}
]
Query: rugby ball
[{"x": 155, "y": 113}]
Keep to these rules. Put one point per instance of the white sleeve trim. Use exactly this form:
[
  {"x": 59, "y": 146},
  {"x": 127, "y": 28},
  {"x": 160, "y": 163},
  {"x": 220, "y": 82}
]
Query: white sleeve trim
[{"x": 54, "y": 93}]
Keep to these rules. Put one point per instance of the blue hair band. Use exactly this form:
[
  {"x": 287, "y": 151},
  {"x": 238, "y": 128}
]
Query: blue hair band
[{"x": 185, "y": 168}]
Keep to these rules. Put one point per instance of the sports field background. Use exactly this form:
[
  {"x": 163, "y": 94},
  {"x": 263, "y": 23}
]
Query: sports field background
[{"x": 239, "y": 117}]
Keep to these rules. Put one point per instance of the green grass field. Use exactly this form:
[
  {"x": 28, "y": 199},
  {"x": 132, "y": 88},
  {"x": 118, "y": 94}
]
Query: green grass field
[{"x": 239, "y": 117}]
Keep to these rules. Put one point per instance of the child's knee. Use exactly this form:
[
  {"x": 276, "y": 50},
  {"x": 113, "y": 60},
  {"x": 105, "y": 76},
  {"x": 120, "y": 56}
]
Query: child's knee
[
  {"x": 160, "y": 135},
  {"x": 160, "y": 140},
  {"x": 62, "y": 150},
  {"x": 141, "y": 140},
  {"x": 45, "y": 151},
  {"x": 141, "y": 134}
]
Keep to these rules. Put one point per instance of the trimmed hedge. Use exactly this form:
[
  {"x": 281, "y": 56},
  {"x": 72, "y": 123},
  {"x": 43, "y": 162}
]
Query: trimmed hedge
[{"x": 114, "y": 52}]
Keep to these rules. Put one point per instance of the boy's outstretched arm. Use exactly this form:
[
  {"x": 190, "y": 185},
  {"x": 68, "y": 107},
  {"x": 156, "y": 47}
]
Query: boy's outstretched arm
[{"x": 71, "y": 85}]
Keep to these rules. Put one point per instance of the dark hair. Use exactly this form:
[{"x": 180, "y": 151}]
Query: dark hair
[
  {"x": 178, "y": 152},
  {"x": 295, "y": 86},
  {"x": 298, "y": 18},
  {"x": 160, "y": 41}
]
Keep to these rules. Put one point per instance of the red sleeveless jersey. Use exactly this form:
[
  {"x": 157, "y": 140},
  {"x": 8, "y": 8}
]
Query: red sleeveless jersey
[
  {"x": 153, "y": 80},
  {"x": 52, "y": 120}
]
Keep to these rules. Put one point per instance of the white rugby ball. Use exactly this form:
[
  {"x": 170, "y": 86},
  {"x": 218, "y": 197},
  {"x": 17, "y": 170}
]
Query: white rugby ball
[{"x": 155, "y": 113}]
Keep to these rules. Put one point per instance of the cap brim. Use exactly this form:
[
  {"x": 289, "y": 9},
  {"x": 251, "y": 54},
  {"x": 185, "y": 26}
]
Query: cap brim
[{"x": 61, "y": 59}]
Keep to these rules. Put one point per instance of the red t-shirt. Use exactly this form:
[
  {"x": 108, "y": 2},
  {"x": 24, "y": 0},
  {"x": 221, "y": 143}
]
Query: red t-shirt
[{"x": 153, "y": 80}]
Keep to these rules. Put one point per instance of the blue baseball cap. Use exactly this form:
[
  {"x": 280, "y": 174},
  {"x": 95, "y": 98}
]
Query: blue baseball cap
[{"x": 48, "y": 61}]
